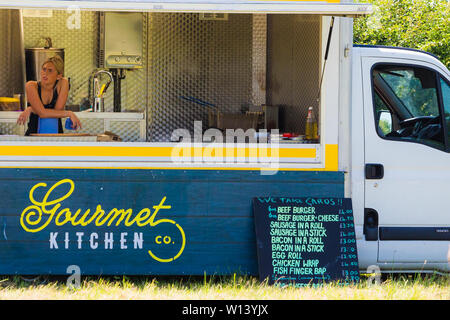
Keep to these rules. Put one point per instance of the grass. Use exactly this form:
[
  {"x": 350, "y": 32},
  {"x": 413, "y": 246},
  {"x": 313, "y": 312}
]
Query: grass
[{"x": 393, "y": 287}]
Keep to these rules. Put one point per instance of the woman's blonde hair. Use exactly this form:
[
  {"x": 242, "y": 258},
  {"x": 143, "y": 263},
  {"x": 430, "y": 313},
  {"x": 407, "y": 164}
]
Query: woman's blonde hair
[{"x": 57, "y": 62}]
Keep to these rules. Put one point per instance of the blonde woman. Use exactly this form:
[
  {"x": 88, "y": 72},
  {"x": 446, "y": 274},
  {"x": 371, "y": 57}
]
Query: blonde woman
[{"x": 47, "y": 97}]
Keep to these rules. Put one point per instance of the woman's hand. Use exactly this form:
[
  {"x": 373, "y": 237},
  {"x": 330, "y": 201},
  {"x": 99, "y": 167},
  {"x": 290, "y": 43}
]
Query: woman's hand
[
  {"x": 23, "y": 117},
  {"x": 76, "y": 123}
]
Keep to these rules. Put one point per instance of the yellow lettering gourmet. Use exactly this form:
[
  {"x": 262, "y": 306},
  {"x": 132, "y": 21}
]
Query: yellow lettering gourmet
[{"x": 40, "y": 214}]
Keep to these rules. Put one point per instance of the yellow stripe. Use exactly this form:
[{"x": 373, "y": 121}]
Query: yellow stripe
[
  {"x": 331, "y": 157},
  {"x": 97, "y": 151}
]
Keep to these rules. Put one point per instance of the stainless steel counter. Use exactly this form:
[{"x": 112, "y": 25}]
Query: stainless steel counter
[{"x": 129, "y": 126}]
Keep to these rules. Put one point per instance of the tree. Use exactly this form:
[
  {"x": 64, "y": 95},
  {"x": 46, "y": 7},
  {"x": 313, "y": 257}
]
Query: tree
[{"x": 419, "y": 24}]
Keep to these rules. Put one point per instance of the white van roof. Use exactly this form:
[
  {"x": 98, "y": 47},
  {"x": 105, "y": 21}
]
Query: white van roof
[
  {"x": 406, "y": 54},
  {"x": 323, "y": 7}
]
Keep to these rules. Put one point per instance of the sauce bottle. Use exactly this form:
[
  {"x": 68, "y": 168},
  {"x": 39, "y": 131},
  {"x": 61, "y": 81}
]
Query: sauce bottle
[{"x": 311, "y": 125}]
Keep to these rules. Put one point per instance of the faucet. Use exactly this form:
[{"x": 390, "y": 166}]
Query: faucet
[
  {"x": 94, "y": 87},
  {"x": 109, "y": 74}
]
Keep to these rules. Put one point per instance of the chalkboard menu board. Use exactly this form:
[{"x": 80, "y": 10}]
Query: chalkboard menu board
[{"x": 303, "y": 241}]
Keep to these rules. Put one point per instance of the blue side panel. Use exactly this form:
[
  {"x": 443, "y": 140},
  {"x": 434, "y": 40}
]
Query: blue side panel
[{"x": 168, "y": 222}]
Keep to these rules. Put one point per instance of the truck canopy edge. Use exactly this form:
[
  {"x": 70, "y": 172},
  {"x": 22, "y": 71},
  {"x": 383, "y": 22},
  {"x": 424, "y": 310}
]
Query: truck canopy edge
[{"x": 232, "y": 6}]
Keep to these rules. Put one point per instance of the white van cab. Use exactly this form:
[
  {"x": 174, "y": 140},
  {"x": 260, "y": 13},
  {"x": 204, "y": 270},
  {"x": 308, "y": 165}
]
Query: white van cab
[{"x": 400, "y": 160}]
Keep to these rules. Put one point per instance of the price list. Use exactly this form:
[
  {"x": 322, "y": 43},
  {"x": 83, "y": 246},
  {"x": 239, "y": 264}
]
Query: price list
[
  {"x": 347, "y": 240},
  {"x": 305, "y": 241}
]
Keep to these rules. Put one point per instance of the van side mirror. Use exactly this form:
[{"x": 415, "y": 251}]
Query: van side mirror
[{"x": 384, "y": 121}]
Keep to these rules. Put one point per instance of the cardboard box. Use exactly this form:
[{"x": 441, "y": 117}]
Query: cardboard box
[{"x": 108, "y": 137}]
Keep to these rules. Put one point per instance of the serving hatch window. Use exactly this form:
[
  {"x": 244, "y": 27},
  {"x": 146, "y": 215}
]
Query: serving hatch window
[{"x": 237, "y": 71}]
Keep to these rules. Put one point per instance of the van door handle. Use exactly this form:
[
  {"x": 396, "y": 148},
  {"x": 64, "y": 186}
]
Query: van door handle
[{"x": 374, "y": 171}]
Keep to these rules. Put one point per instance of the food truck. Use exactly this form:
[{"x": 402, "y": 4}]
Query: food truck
[{"x": 190, "y": 109}]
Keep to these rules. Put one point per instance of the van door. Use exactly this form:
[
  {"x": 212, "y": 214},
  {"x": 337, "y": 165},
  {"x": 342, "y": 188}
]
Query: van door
[{"x": 407, "y": 162}]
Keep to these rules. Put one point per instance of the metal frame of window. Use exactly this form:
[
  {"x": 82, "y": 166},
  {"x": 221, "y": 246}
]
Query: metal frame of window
[{"x": 442, "y": 108}]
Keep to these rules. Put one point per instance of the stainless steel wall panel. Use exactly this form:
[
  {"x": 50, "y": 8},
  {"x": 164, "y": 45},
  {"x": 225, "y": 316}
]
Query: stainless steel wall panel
[
  {"x": 126, "y": 130},
  {"x": 5, "y": 56},
  {"x": 293, "y": 67},
  {"x": 208, "y": 60},
  {"x": 91, "y": 126},
  {"x": 9, "y": 128},
  {"x": 11, "y": 72},
  {"x": 134, "y": 93},
  {"x": 259, "y": 59}
]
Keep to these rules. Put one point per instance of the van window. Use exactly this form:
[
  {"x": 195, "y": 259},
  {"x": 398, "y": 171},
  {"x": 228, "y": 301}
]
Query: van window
[{"x": 411, "y": 96}]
